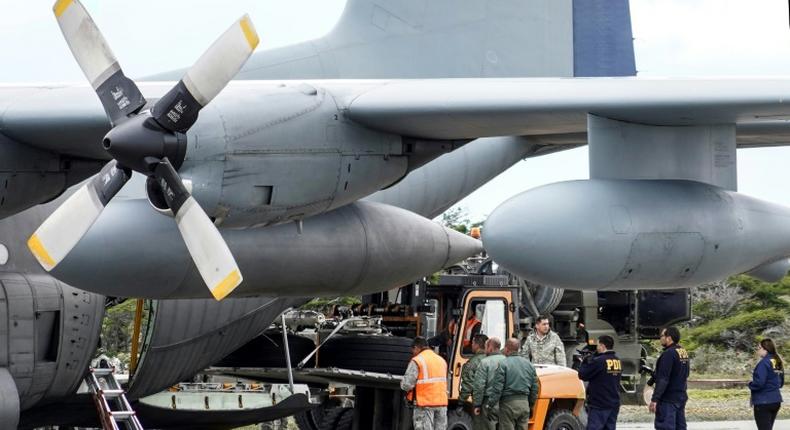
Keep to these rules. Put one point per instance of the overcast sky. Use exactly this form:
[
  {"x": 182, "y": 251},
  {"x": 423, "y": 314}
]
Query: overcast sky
[{"x": 672, "y": 38}]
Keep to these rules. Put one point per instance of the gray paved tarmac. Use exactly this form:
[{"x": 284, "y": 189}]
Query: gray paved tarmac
[{"x": 709, "y": 425}]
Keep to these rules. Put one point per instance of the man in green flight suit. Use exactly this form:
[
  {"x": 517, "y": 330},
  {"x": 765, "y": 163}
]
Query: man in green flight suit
[
  {"x": 484, "y": 377},
  {"x": 468, "y": 375},
  {"x": 514, "y": 388}
]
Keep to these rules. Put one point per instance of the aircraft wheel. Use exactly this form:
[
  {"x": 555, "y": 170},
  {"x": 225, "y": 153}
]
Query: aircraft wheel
[
  {"x": 266, "y": 351},
  {"x": 337, "y": 419},
  {"x": 383, "y": 354},
  {"x": 309, "y": 419},
  {"x": 323, "y": 418}
]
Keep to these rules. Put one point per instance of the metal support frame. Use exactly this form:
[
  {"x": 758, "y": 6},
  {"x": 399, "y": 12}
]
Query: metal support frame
[
  {"x": 309, "y": 356},
  {"x": 287, "y": 355}
]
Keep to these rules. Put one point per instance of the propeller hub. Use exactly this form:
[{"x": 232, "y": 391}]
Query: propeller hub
[{"x": 140, "y": 142}]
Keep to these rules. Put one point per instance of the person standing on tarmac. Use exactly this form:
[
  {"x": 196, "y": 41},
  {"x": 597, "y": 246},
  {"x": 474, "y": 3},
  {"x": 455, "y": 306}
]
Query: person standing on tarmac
[
  {"x": 767, "y": 380},
  {"x": 425, "y": 384},
  {"x": 602, "y": 371},
  {"x": 544, "y": 346},
  {"x": 484, "y": 377},
  {"x": 672, "y": 372},
  {"x": 515, "y": 388},
  {"x": 470, "y": 368}
]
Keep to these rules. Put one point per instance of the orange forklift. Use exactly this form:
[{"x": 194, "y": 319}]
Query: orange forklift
[
  {"x": 490, "y": 302},
  {"x": 354, "y": 357}
]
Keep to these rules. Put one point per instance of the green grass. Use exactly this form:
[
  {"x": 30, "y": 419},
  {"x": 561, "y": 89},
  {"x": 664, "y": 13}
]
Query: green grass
[
  {"x": 718, "y": 394},
  {"x": 708, "y": 405}
]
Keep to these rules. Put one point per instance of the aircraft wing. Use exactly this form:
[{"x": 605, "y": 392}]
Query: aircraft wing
[
  {"x": 472, "y": 108},
  {"x": 69, "y": 119}
]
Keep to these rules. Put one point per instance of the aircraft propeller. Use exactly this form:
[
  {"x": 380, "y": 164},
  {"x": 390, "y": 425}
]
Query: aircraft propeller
[{"x": 151, "y": 142}]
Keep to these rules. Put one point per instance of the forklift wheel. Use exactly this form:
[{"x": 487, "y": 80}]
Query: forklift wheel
[
  {"x": 459, "y": 420},
  {"x": 563, "y": 419}
]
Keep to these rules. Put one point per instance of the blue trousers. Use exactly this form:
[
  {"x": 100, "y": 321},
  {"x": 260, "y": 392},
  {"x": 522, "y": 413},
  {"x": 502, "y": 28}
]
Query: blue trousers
[
  {"x": 670, "y": 416},
  {"x": 602, "y": 419}
]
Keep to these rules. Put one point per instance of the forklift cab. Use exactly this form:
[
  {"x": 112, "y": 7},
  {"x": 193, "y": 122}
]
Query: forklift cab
[
  {"x": 468, "y": 305},
  {"x": 485, "y": 311},
  {"x": 488, "y": 305}
]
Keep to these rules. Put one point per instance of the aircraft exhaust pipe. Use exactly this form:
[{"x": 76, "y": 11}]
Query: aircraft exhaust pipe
[
  {"x": 635, "y": 234},
  {"x": 357, "y": 249}
]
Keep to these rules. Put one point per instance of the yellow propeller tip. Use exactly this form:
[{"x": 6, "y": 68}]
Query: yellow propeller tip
[
  {"x": 61, "y": 6},
  {"x": 249, "y": 32},
  {"x": 227, "y": 285},
  {"x": 41, "y": 254}
]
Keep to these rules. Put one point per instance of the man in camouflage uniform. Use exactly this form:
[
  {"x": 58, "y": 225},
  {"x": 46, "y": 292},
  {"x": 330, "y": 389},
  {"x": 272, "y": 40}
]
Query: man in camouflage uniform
[
  {"x": 484, "y": 377},
  {"x": 543, "y": 346},
  {"x": 468, "y": 375},
  {"x": 514, "y": 388}
]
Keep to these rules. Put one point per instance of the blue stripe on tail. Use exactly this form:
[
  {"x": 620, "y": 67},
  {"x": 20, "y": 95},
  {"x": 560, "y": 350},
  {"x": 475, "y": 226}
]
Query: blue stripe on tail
[{"x": 602, "y": 38}]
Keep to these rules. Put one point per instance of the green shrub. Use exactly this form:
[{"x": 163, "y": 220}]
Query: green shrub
[{"x": 738, "y": 331}]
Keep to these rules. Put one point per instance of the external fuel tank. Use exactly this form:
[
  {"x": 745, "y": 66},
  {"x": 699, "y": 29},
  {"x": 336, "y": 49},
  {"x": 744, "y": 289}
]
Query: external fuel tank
[{"x": 635, "y": 234}]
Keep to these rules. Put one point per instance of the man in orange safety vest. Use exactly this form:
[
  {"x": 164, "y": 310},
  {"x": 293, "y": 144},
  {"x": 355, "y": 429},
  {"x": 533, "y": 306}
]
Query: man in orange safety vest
[{"x": 425, "y": 383}]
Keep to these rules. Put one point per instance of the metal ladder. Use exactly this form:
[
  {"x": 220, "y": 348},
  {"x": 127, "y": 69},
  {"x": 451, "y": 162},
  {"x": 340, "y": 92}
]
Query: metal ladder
[{"x": 114, "y": 409}]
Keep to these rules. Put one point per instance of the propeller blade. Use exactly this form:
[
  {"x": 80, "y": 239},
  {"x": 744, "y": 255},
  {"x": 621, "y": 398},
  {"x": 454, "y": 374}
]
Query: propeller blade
[
  {"x": 178, "y": 109},
  {"x": 59, "y": 233},
  {"x": 118, "y": 94},
  {"x": 208, "y": 249}
]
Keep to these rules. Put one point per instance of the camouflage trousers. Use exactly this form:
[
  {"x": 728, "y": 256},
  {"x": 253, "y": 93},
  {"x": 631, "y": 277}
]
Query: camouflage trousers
[
  {"x": 514, "y": 413},
  {"x": 430, "y": 418}
]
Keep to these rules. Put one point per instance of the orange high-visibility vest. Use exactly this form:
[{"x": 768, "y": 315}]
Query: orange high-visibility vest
[
  {"x": 431, "y": 387},
  {"x": 470, "y": 326}
]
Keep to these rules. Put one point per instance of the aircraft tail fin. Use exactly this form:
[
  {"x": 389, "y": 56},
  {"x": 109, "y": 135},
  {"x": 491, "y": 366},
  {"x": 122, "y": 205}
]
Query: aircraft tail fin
[{"x": 461, "y": 38}]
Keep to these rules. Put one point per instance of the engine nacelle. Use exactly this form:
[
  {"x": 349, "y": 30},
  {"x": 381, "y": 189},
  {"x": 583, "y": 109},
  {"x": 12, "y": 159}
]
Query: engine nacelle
[
  {"x": 635, "y": 234},
  {"x": 360, "y": 248},
  {"x": 284, "y": 152}
]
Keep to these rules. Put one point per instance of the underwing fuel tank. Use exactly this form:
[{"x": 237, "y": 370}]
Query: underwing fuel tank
[
  {"x": 635, "y": 234},
  {"x": 361, "y": 248}
]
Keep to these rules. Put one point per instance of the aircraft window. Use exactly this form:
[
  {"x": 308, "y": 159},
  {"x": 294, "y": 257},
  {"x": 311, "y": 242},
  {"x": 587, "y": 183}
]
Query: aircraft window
[{"x": 484, "y": 317}]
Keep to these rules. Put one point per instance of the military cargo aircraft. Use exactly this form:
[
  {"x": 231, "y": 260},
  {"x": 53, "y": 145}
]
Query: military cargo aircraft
[{"x": 314, "y": 169}]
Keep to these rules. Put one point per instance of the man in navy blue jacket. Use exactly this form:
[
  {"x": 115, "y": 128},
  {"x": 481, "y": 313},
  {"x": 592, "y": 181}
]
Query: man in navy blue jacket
[
  {"x": 602, "y": 372},
  {"x": 671, "y": 373}
]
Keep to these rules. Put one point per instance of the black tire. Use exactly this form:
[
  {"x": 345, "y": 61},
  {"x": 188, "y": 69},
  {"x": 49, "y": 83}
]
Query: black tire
[
  {"x": 346, "y": 420},
  {"x": 459, "y": 420},
  {"x": 266, "y": 351},
  {"x": 547, "y": 298},
  {"x": 330, "y": 419},
  {"x": 384, "y": 354},
  {"x": 325, "y": 418},
  {"x": 309, "y": 419},
  {"x": 563, "y": 419}
]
